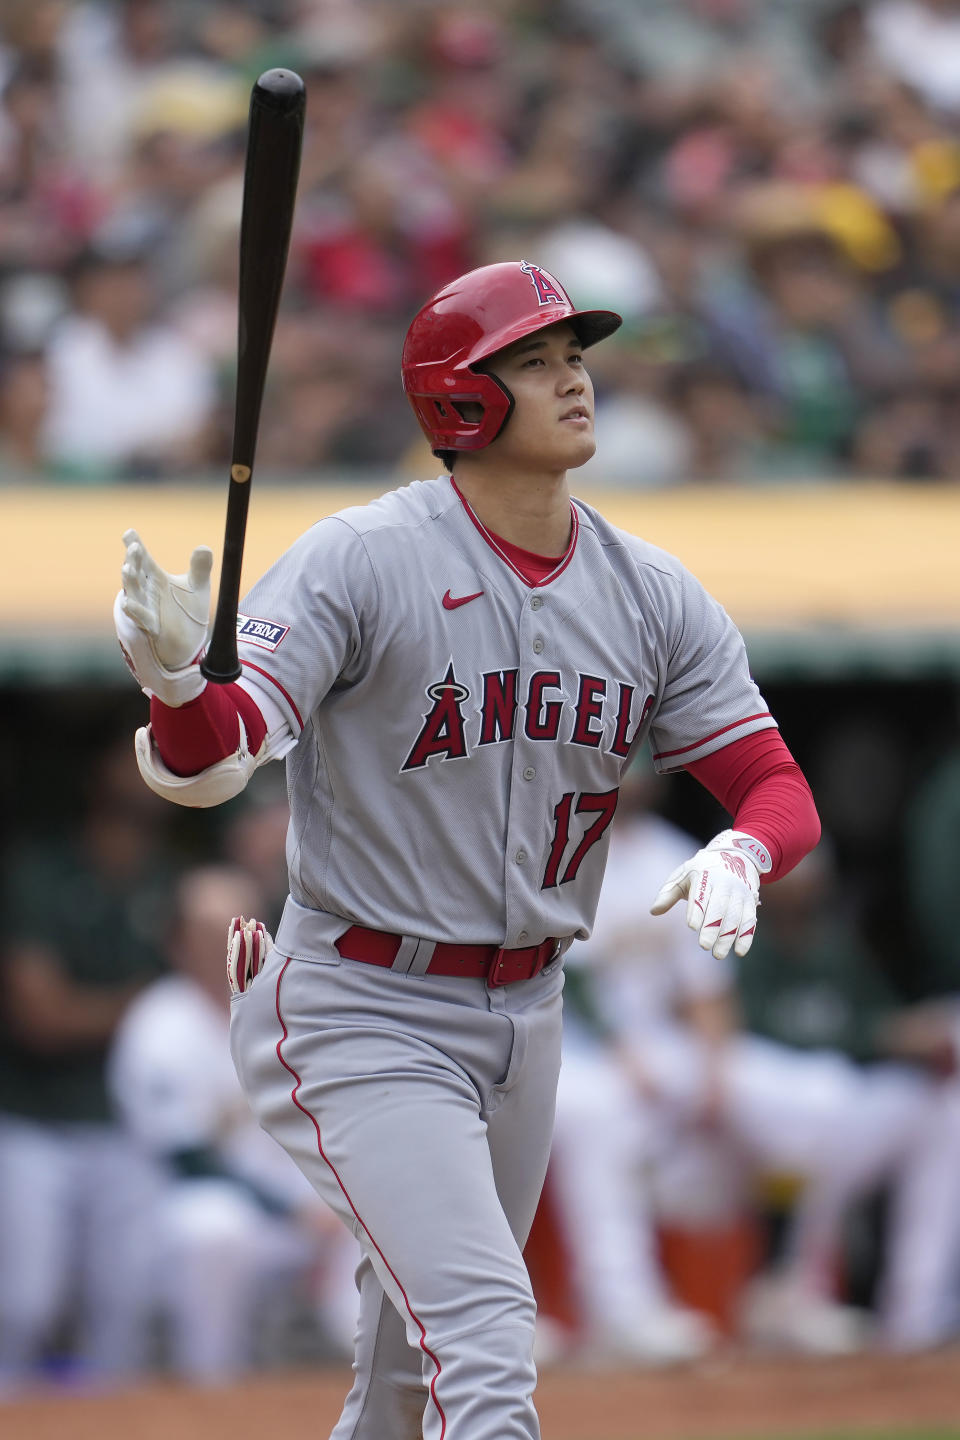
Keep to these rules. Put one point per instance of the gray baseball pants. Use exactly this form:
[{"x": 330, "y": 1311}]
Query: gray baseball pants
[{"x": 421, "y": 1109}]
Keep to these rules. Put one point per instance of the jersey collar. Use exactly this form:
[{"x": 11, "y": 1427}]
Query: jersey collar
[{"x": 499, "y": 545}]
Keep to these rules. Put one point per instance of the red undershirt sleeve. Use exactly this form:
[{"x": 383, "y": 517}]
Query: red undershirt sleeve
[
  {"x": 194, "y": 736},
  {"x": 758, "y": 781}
]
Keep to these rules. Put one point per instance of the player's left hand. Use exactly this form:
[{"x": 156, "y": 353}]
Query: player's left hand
[
  {"x": 249, "y": 943},
  {"x": 721, "y": 884}
]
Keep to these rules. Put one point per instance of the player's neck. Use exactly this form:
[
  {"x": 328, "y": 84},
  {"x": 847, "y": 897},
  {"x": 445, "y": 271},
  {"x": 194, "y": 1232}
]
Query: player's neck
[{"x": 531, "y": 511}]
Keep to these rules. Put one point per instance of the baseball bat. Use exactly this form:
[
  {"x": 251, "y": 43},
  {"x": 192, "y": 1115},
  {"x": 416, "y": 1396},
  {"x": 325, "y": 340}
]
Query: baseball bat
[{"x": 274, "y": 141}]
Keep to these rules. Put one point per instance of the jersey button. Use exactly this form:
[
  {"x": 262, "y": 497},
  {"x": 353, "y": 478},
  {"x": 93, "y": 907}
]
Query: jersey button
[
  {"x": 537, "y": 646},
  {"x": 536, "y": 602},
  {"x": 521, "y": 857},
  {"x": 529, "y": 773}
]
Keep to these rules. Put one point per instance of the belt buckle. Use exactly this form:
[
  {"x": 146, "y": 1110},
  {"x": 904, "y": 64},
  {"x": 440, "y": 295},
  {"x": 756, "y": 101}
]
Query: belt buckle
[{"x": 495, "y": 976}]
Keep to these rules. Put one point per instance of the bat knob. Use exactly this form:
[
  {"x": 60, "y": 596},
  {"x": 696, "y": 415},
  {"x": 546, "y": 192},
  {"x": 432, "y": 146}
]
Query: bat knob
[{"x": 280, "y": 90}]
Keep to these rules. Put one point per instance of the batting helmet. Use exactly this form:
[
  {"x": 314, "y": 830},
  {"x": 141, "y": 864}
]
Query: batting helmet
[{"x": 464, "y": 324}]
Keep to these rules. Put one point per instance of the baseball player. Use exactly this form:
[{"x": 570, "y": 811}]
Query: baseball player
[{"x": 458, "y": 674}]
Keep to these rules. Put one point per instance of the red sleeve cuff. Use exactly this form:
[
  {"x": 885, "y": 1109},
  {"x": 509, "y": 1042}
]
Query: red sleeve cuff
[
  {"x": 197, "y": 735},
  {"x": 758, "y": 781}
]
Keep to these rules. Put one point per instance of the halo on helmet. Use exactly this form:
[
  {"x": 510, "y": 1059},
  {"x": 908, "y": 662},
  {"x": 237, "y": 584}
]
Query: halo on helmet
[{"x": 464, "y": 325}]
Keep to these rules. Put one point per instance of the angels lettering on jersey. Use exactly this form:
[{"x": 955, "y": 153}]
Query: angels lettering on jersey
[{"x": 543, "y": 711}]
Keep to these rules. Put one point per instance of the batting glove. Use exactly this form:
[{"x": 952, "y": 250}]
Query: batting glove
[
  {"x": 248, "y": 945},
  {"x": 722, "y": 888},
  {"x": 161, "y": 621}
]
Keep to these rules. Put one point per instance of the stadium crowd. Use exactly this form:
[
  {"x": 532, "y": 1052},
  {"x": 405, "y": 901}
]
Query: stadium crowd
[{"x": 769, "y": 191}]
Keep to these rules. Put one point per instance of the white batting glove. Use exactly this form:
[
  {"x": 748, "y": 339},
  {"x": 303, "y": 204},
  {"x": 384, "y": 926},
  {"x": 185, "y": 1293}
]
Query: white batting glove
[
  {"x": 161, "y": 621},
  {"x": 248, "y": 945},
  {"x": 722, "y": 888}
]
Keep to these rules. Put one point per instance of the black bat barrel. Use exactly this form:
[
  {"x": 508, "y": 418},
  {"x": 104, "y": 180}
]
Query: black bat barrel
[{"x": 274, "y": 142}]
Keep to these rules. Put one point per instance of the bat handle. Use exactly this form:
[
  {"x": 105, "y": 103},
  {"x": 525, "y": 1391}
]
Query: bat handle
[{"x": 221, "y": 664}]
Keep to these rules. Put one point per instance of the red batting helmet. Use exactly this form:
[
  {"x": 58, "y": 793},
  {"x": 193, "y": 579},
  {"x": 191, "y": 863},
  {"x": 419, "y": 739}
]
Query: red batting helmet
[{"x": 464, "y": 324}]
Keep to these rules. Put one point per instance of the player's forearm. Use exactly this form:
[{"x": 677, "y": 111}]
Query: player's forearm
[
  {"x": 761, "y": 785},
  {"x": 192, "y": 737},
  {"x": 781, "y": 813}
]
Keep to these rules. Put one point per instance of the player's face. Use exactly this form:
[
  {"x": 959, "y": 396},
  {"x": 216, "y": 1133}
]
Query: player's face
[{"x": 551, "y": 427}]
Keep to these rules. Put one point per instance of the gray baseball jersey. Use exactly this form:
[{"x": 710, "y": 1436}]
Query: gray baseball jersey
[
  {"x": 459, "y": 741},
  {"x": 461, "y": 735}
]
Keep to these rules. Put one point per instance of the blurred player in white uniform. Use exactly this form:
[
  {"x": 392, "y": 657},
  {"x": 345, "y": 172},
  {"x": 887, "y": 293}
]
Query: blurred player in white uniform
[
  {"x": 812, "y": 985},
  {"x": 457, "y": 674},
  {"x": 231, "y": 1221},
  {"x": 667, "y": 1108},
  {"x": 638, "y": 1081}
]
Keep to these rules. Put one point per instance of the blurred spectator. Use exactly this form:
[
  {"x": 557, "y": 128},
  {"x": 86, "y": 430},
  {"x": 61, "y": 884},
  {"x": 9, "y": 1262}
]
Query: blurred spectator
[
  {"x": 84, "y": 929},
  {"x": 24, "y": 399},
  {"x": 912, "y": 436},
  {"x": 232, "y": 1225},
  {"x": 689, "y": 43},
  {"x": 129, "y": 396},
  {"x": 728, "y": 438},
  {"x": 46, "y": 209},
  {"x": 783, "y": 332},
  {"x": 462, "y": 122},
  {"x": 919, "y": 41},
  {"x": 645, "y": 443},
  {"x": 112, "y": 59}
]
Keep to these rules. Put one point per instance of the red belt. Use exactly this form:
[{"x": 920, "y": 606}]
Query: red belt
[{"x": 474, "y": 962}]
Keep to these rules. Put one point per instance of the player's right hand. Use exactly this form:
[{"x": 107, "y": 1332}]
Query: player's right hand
[
  {"x": 161, "y": 621},
  {"x": 172, "y": 609},
  {"x": 249, "y": 943},
  {"x": 721, "y": 884}
]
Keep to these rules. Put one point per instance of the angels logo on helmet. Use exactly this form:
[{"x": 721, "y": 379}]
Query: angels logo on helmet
[{"x": 547, "y": 289}]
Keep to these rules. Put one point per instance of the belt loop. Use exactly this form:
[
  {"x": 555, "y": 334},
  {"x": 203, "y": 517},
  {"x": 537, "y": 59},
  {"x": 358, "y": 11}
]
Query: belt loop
[{"x": 414, "y": 955}]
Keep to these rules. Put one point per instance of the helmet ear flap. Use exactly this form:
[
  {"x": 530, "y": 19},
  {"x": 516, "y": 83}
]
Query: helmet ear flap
[
  {"x": 507, "y": 396},
  {"x": 441, "y": 414}
]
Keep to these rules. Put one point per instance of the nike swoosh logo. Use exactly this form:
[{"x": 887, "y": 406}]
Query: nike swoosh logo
[{"x": 451, "y": 603}]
